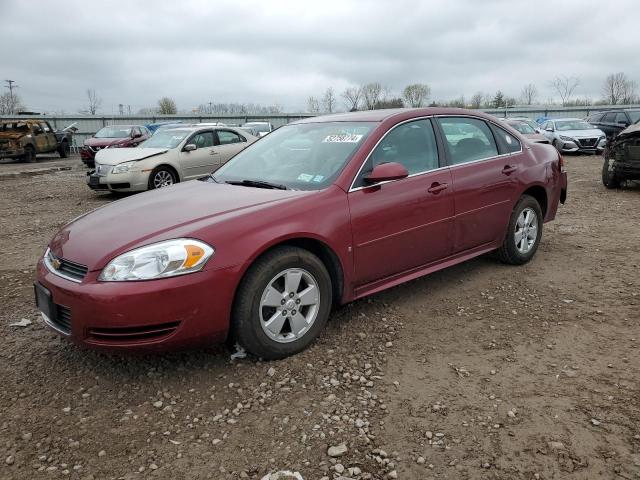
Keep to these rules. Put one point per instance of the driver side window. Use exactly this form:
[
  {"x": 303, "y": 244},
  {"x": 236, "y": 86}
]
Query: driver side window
[
  {"x": 202, "y": 139},
  {"x": 411, "y": 144}
]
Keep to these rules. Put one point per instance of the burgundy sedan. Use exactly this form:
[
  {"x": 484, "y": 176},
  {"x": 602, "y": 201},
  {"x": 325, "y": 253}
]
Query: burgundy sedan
[
  {"x": 318, "y": 213},
  {"x": 113, "y": 136}
]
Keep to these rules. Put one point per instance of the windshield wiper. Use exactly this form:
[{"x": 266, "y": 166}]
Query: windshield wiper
[{"x": 257, "y": 183}]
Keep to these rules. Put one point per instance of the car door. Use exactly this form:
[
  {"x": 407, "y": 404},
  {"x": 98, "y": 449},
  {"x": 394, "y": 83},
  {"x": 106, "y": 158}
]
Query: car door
[
  {"x": 201, "y": 161},
  {"x": 621, "y": 122},
  {"x": 52, "y": 141},
  {"x": 403, "y": 224},
  {"x": 608, "y": 125},
  {"x": 228, "y": 143},
  {"x": 40, "y": 138},
  {"x": 484, "y": 172}
]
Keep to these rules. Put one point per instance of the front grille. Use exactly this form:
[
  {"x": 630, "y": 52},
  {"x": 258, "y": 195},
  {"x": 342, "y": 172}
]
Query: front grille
[
  {"x": 63, "y": 319},
  {"x": 588, "y": 142},
  {"x": 66, "y": 268},
  {"x": 130, "y": 334}
]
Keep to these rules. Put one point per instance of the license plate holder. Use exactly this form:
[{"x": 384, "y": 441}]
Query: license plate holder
[
  {"x": 94, "y": 180},
  {"x": 44, "y": 302}
]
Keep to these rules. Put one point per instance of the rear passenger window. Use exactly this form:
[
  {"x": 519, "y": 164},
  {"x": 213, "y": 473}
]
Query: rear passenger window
[
  {"x": 621, "y": 117},
  {"x": 609, "y": 117},
  {"x": 468, "y": 139},
  {"x": 411, "y": 144},
  {"x": 507, "y": 143},
  {"x": 226, "y": 137}
]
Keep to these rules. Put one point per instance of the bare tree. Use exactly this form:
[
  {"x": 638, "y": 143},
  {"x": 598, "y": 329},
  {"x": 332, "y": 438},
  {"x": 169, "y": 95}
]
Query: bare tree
[
  {"x": 629, "y": 95},
  {"x": 416, "y": 95},
  {"x": 529, "y": 94},
  {"x": 329, "y": 100},
  {"x": 565, "y": 87},
  {"x": 476, "y": 100},
  {"x": 94, "y": 101},
  {"x": 351, "y": 97},
  {"x": 10, "y": 104},
  {"x": 371, "y": 94},
  {"x": 618, "y": 88},
  {"x": 313, "y": 106},
  {"x": 167, "y": 106}
]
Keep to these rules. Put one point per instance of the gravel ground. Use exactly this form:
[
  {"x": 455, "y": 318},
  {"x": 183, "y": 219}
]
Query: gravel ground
[{"x": 479, "y": 371}]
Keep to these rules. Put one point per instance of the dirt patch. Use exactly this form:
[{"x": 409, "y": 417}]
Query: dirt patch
[{"x": 478, "y": 371}]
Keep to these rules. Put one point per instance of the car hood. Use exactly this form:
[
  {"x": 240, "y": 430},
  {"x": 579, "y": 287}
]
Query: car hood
[
  {"x": 118, "y": 155},
  {"x": 182, "y": 210},
  {"x": 536, "y": 137},
  {"x": 104, "y": 142},
  {"x": 593, "y": 132}
]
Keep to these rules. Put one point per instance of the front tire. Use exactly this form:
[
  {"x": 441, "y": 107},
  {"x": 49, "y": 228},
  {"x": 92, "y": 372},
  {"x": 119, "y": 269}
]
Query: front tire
[
  {"x": 162, "y": 177},
  {"x": 29, "y": 154},
  {"x": 64, "y": 149},
  {"x": 524, "y": 232},
  {"x": 282, "y": 304},
  {"x": 609, "y": 178}
]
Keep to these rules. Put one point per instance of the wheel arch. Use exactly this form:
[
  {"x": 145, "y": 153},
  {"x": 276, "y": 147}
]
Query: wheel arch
[
  {"x": 540, "y": 194},
  {"x": 170, "y": 167},
  {"x": 318, "y": 247}
]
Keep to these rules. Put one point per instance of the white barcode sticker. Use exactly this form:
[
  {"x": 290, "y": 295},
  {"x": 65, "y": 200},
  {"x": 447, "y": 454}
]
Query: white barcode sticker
[{"x": 342, "y": 138}]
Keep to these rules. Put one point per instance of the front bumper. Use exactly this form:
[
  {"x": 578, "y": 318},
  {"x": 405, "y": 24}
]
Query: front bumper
[
  {"x": 575, "y": 145},
  {"x": 119, "y": 182},
  {"x": 14, "y": 153},
  {"x": 186, "y": 311}
]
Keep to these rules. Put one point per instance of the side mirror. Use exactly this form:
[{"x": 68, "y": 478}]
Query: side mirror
[
  {"x": 189, "y": 147},
  {"x": 136, "y": 135},
  {"x": 550, "y": 129},
  {"x": 386, "y": 172}
]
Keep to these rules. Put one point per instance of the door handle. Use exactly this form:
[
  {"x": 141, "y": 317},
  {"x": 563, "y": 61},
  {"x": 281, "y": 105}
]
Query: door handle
[
  {"x": 437, "y": 187},
  {"x": 509, "y": 169}
]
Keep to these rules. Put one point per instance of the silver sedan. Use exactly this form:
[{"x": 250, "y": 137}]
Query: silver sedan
[{"x": 574, "y": 135}]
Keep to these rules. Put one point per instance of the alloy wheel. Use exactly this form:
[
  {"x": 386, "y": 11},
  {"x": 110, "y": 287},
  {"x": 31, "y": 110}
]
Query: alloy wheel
[
  {"x": 526, "y": 230},
  {"x": 289, "y": 305},
  {"x": 162, "y": 178}
]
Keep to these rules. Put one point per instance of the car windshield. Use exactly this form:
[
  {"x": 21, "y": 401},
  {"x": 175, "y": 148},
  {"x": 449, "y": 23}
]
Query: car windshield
[
  {"x": 113, "y": 132},
  {"x": 306, "y": 156},
  {"x": 165, "y": 139},
  {"x": 522, "y": 127},
  {"x": 564, "y": 125},
  {"x": 258, "y": 127},
  {"x": 635, "y": 115}
]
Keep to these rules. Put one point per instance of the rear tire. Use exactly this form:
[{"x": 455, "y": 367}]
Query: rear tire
[
  {"x": 609, "y": 178},
  {"x": 29, "y": 154},
  {"x": 64, "y": 149},
  {"x": 524, "y": 232},
  {"x": 162, "y": 177},
  {"x": 268, "y": 320}
]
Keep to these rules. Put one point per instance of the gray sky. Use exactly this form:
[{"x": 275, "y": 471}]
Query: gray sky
[{"x": 283, "y": 51}]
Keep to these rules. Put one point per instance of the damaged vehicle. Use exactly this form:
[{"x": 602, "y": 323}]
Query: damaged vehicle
[
  {"x": 622, "y": 158},
  {"x": 23, "y": 139},
  {"x": 112, "y": 136},
  {"x": 170, "y": 156}
]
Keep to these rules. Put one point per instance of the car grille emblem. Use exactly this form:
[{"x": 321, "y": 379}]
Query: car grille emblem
[{"x": 55, "y": 263}]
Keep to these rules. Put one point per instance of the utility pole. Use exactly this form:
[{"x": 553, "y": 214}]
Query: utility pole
[
  {"x": 10, "y": 85},
  {"x": 210, "y": 107}
]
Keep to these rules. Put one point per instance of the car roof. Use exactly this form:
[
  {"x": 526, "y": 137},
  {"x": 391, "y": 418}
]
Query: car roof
[
  {"x": 385, "y": 114},
  {"x": 565, "y": 118}
]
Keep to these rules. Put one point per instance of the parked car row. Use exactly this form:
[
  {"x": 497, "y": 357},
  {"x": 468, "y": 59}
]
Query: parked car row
[{"x": 320, "y": 212}]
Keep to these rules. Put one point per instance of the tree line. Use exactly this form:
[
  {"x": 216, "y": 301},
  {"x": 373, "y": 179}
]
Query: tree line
[{"x": 617, "y": 89}]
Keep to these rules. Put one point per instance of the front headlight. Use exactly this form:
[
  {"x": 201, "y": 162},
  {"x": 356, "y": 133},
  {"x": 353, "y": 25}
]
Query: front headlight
[
  {"x": 123, "y": 167},
  {"x": 159, "y": 260},
  {"x": 566, "y": 139}
]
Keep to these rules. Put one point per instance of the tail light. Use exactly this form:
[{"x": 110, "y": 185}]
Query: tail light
[{"x": 560, "y": 163}]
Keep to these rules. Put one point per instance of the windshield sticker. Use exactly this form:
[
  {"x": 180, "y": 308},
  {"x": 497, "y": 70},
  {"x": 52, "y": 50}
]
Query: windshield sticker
[
  {"x": 508, "y": 139},
  {"x": 342, "y": 138},
  {"x": 318, "y": 178},
  {"x": 305, "y": 177}
]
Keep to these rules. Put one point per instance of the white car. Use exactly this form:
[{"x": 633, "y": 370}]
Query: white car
[
  {"x": 574, "y": 135},
  {"x": 263, "y": 128},
  {"x": 170, "y": 156}
]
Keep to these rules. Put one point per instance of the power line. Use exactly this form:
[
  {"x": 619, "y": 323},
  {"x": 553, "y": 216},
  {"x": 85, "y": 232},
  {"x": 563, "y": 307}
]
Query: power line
[{"x": 10, "y": 85}]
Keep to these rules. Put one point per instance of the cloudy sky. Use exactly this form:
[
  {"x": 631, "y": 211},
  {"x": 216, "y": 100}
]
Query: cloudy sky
[{"x": 281, "y": 52}]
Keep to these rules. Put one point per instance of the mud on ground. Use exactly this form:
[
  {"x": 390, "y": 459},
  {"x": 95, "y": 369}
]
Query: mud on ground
[{"x": 479, "y": 371}]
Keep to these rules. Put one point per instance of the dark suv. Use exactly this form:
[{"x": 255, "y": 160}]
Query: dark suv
[{"x": 613, "y": 122}]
